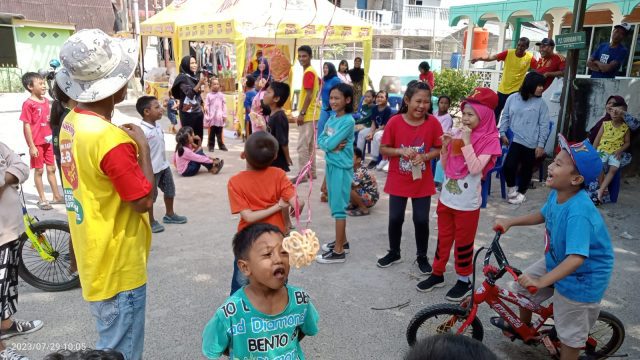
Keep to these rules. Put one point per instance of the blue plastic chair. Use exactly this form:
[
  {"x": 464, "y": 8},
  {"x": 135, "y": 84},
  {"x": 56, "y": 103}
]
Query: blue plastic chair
[{"x": 486, "y": 184}]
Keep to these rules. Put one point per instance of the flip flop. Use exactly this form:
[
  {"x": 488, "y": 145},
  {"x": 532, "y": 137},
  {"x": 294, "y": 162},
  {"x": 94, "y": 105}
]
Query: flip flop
[
  {"x": 44, "y": 205},
  {"x": 57, "y": 202},
  {"x": 357, "y": 212},
  {"x": 351, "y": 207}
]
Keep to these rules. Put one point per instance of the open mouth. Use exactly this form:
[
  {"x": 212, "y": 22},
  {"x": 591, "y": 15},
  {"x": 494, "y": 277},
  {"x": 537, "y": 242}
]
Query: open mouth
[{"x": 279, "y": 273}]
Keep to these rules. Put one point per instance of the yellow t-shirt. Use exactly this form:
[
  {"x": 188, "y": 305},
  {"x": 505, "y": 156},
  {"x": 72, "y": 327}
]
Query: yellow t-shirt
[
  {"x": 515, "y": 69},
  {"x": 111, "y": 240},
  {"x": 313, "y": 111},
  {"x": 612, "y": 137}
]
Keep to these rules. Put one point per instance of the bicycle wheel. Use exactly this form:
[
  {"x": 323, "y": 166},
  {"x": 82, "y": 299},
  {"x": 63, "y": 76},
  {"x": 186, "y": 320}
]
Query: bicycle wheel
[
  {"x": 608, "y": 333},
  {"x": 44, "y": 275},
  {"x": 442, "y": 319}
]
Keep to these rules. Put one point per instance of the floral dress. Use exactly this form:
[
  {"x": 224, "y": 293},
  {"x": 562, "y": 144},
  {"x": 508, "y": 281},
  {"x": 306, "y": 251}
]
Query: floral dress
[{"x": 366, "y": 186}]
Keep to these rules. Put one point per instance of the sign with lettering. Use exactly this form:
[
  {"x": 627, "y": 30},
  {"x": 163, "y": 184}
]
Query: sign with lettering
[{"x": 577, "y": 40}]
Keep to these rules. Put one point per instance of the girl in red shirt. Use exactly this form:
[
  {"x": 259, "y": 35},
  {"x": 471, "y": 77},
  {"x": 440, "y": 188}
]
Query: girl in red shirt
[{"x": 411, "y": 140}]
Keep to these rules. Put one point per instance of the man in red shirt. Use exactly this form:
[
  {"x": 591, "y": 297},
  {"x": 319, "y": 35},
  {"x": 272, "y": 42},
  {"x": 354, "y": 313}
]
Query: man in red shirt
[{"x": 551, "y": 65}]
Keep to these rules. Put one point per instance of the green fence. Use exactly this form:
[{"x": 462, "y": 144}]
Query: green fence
[{"x": 10, "y": 80}]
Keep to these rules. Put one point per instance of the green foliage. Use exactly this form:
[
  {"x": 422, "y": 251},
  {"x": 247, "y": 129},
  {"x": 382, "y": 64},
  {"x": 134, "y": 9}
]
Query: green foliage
[
  {"x": 335, "y": 52},
  {"x": 10, "y": 80},
  {"x": 455, "y": 84}
]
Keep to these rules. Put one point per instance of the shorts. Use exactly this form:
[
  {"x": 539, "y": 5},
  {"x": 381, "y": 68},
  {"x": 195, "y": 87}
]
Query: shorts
[
  {"x": 609, "y": 159},
  {"x": 9, "y": 278},
  {"x": 572, "y": 319},
  {"x": 164, "y": 181},
  {"x": 367, "y": 199},
  {"x": 45, "y": 156}
]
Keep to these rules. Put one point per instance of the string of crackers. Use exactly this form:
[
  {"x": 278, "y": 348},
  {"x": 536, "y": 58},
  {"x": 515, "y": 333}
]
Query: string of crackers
[{"x": 302, "y": 247}]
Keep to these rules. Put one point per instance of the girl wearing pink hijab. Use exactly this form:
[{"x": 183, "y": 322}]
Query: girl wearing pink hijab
[{"x": 466, "y": 158}]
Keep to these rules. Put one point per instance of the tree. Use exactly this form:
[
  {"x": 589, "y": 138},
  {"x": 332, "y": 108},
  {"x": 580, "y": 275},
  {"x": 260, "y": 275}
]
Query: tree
[{"x": 455, "y": 84}]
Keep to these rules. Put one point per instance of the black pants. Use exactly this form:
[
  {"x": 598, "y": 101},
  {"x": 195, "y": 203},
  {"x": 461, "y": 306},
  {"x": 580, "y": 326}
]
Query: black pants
[
  {"x": 519, "y": 164},
  {"x": 215, "y": 132},
  {"x": 502, "y": 99},
  {"x": 397, "y": 207},
  {"x": 194, "y": 120}
]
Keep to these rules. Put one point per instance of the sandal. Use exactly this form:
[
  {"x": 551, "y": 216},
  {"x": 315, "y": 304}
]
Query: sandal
[
  {"x": 351, "y": 207},
  {"x": 217, "y": 167},
  {"x": 57, "y": 202},
  {"x": 44, "y": 205},
  {"x": 357, "y": 212}
]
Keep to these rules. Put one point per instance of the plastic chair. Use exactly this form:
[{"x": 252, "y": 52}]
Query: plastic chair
[{"x": 486, "y": 183}]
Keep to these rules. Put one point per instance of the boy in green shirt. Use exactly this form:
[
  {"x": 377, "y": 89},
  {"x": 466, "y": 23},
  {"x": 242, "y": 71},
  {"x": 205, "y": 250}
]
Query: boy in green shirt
[{"x": 267, "y": 318}]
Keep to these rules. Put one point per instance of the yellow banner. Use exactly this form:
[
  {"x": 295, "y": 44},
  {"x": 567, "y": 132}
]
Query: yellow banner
[
  {"x": 333, "y": 33},
  {"x": 219, "y": 30}
]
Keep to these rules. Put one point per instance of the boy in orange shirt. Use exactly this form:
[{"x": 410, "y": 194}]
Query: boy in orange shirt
[{"x": 261, "y": 192}]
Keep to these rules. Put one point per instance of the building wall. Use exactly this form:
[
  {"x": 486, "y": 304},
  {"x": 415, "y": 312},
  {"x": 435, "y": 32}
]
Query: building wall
[{"x": 36, "y": 46}]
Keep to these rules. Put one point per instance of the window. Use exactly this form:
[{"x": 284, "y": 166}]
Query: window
[
  {"x": 635, "y": 62},
  {"x": 415, "y": 2},
  {"x": 8, "y": 54}
]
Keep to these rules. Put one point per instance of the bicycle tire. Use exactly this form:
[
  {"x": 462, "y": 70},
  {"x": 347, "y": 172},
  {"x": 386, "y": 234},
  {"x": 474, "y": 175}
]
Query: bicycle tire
[
  {"x": 29, "y": 276},
  {"x": 477, "y": 331},
  {"x": 616, "y": 340}
]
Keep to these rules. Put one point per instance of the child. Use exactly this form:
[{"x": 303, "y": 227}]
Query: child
[
  {"x": 275, "y": 97},
  {"x": 189, "y": 155},
  {"x": 37, "y": 133},
  {"x": 380, "y": 115},
  {"x": 443, "y": 116},
  {"x": 406, "y": 141},
  {"x": 151, "y": 111},
  {"x": 171, "y": 104},
  {"x": 337, "y": 142},
  {"x": 449, "y": 346},
  {"x": 466, "y": 161},
  {"x": 364, "y": 114},
  {"x": 249, "y": 94},
  {"x": 613, "y": 139},
  {"x": 579, "y": 256},
  {"x": 265, "y": 311},
  {"x": 426, "y": 76},
  {"x": 364, "y": 190},
  {"x": 259, "y": 112},
  {"x": 215, "y": 116},
  {"x": 261, "y": 192}
]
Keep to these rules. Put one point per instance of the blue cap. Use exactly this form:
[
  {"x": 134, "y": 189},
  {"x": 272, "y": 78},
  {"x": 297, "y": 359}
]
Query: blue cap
[{"x": 585, "y": 157}]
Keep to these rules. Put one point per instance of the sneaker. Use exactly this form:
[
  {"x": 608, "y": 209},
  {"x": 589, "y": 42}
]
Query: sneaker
[
  {"x": 432, "y": 282},
  {"x": 423, "y": 265},
  {"x": 331, "y": 245},
  {"x": 174, "y": 219},
  {"x": 11, "y": 354},
  {"x": 372, "y": 164},
  {"x": 382, "y": 164},
  {"x": 156, "y": 227},
  {"x": 459, "y": 291},
  {"x": 512, "y": 192},
  {"x": 330, "y": 257},
  {"x": 389, "y": 260},
  {"x": 20, "y": 328},
  {"x": 223, "y": 148},
  {"x": 518, "y": 199}
]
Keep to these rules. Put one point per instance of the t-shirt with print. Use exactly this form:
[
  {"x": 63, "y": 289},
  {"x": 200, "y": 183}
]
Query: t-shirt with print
[
  {"x": 155, "y": 138},
  {"x": 257, "y": 190},
  {"x": 576, "y": 227},
  {"x": 380, "y": 117},
  {"x": 279, "y": 128},
  {"x": 36, "y": 114},
  {"x": 422, "y": 138},
  {"x": 552, "y": 63},
  {"x": 365, "y": 115},
  {"x": 606, "y": 55},
  {"x": 251, "y": 334}
]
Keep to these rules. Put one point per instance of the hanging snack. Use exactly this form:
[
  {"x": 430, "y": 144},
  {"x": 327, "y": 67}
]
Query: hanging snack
[{"x": 302, "y": 248}]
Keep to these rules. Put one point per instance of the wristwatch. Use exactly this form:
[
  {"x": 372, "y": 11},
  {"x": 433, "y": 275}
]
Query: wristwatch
[{"x": 303, "y": 113}]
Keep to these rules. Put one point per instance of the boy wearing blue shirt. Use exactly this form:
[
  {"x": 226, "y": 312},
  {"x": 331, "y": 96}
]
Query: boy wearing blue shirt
[
  {"x": 267, "y": 318},
  {"x": 578, "y": 253},
  {"x": 610, "y": 57}
]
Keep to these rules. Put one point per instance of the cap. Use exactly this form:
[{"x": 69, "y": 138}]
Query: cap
[
  {"x": 585, "y": 157},
  {"x": 546, "y": 42},
  {"x": 484, "y": 96},
  {"x": 625, "y": 26}
]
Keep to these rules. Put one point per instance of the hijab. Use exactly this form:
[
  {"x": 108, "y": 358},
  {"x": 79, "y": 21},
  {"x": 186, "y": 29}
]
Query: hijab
[
  {"x": 593, "y": 133},
  {"x": 186, "y": 76},
  {"x": 356, "y": 74},
  {"x": 484, "y": 139},
  {"x": 331, "y": 73}
]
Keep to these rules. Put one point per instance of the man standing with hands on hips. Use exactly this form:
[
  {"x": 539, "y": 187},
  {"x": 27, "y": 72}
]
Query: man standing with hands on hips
[{"x": 309, "y": 113}]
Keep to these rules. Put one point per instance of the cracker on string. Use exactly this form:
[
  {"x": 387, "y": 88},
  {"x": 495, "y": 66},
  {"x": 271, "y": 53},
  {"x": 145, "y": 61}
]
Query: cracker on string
[{"x": 302, "y": 247}]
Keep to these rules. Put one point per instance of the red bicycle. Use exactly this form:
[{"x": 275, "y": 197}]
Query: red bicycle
[{"x": 605, "y": 338}]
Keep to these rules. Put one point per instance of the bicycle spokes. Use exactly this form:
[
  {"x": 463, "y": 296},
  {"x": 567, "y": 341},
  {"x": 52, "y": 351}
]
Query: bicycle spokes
[{"x": 445, "y": 327}]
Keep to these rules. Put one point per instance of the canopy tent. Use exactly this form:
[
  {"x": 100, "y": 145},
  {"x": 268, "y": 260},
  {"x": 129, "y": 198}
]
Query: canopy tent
[{"x": 277, "y": 22}]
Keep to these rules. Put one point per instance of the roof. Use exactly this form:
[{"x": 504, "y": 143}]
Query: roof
[{"x": 83, "y": 14}]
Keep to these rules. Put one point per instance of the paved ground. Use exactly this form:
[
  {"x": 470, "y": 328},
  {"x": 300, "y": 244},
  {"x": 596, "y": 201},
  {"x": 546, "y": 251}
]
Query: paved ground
[{"x": 190, "y": 270}]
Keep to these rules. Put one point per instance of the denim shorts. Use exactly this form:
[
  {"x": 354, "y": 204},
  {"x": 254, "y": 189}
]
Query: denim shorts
[{"x": 120, "y": 322}]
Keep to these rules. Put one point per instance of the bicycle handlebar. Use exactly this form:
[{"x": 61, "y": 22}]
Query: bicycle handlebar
[{"x": 502, "y": 261}]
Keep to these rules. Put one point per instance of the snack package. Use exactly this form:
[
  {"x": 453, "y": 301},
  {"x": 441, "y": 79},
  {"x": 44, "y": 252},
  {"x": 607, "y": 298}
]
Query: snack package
[{"x": 302, "y": 247}]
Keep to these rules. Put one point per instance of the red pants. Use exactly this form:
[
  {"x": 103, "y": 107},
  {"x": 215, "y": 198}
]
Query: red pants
[{"x": 460, "y": 226}]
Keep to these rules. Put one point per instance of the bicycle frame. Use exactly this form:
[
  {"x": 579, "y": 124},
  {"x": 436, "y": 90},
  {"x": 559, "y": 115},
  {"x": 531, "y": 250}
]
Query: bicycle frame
[{"x": 38, "y": 241}]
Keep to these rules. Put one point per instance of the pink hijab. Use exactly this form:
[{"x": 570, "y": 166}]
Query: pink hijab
[{"x": 484, "y": 139}]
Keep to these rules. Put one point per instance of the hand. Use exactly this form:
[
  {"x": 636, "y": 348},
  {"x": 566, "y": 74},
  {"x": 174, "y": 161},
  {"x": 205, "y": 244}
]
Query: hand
[
  {"x": 419, "y": 159},
  {"x": 33, "y": 151},
  {"x": 283, "y": 204},
  {"x": 539, "y": 152},
  {"x": 505, "y": 224},
  {"x": 289, "y": 162},
  {"x": 407, "y": 152},
  {"x": 505, "y": 140},
  {"x": 136, "y": 134},
  {"x": 197, "y": 140},
  {"x": 466, "y": 135},
  {"x": 446, "y": 139},
  {"x": 617, "y": 111},
  {"x": 618, "y": 154},
  {"x": 341, "y": 146},
  {"x": 525, "y": 280},
  {"x": 369, "y": 137},
  {"x": 300, "y": 120}
]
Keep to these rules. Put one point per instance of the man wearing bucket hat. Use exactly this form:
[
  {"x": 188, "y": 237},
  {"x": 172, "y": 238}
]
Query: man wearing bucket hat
[
  {"x": 107, "y": 177},
  {"x": 608, "y": 58},
  {"x": 578, "y": 260}
]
